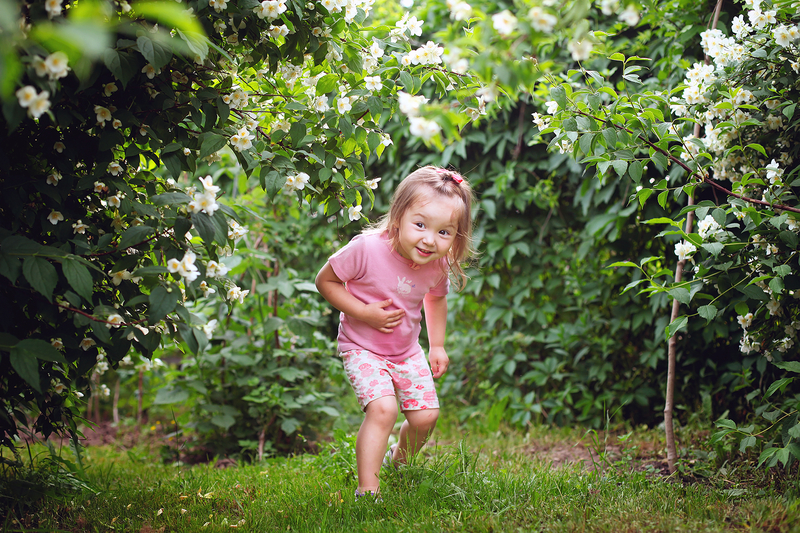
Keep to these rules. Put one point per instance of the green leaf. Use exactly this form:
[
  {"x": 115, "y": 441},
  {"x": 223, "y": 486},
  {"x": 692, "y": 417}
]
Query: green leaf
[
  {"x": 223, "y": 420},
  {"x": 558, "y": 94},
  {"x": 681, "y": 294},
  {"x": 708, "y": 312},
  {"x": 327, "y": 83},
  {"x": 171, "y": 395},
  {"x": 620, "y": 167},
  {"x": 635, "y": 171},
  {"x": 170, "y": 198},
  {"x": 297, "y": 133},
  {"x": 726, "y": 423},
  {"x": 162, "y": 302},
  {"x": 27, "y": 366},
  {"x": 134, "y": 235},
  {"x": 791, "y": 366},
  {"x": 205, "y": 227},
  {"x": 766, "y": 454},
  {"x": 714, "y": 247},
  {"x": 407, "y": 81},
  {"x": 210, "y": 143},
  {"x": 274, "y": 182},
  {"x": 676, "y": 325},
  {"x": 10, "y": 267},
  {"x": 758, "y": 148},
  {"x": 78, "y": 277},
  {"x": 662, "y": 199},
  {"x": 41, "y": 350},
  {"x": 747, "y": 442},
  {"x": 41, "y": 275},
  {"x": 777, "y": 385},
  {"x": 123, "y": 65},
  {"x": 154, "y": 51}
]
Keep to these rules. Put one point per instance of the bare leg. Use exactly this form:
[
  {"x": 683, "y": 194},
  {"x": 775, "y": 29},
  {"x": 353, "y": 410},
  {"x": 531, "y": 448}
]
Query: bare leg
[
  {"x": 381, "y": 414},
  {"x": 414, "y": 432}
]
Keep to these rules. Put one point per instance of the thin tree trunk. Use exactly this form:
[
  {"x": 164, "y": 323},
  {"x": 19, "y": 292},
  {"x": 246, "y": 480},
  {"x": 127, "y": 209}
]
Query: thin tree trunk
[
  {"x": 115, "y": 403},
  {"x": 139, "y": 410},
  {"x": 672, "y": 454}
]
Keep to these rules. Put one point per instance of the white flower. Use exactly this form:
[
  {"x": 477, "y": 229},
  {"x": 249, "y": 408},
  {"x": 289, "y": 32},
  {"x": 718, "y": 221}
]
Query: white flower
[
  {"x": 504, "y": 22},
  {"x": 423, "y": 128},
  {"x": 58, "y": 387},
  {"x": 215, "y": 270},
  {"x": 609, "y": 7},
  {"x": 114, "y": 168},
  {"x": 373, "y": 183},
  {"x": 708, "y": 227},
  {"x": 373, "y": 83},
  {"x": 114, "y": 201},
  {"x": 114, "y": 320},
  {"x": 409, "y": 104},
  {"x": 218, "y": 5},
  {"x": 119, "y": 276},
  {"x": 746, "y": 320},
  {"x": 320, "y": 104},
  {"x": 150, "y": 71},
  {"x": 540, "y": 122},
  {"x": 552, "y": 107},
  {"x": 59, "y": 147},
  {"x": 242, "y": 140},
  {"x": 684, "y": 250},
  {"x": 774, "y": 172},
  {"x": 53, "y": 8},
  {"x": 460, "y": 11},
  {"x": 784, "y": 344},
  {"x": 105, "y": 391},
  {"x": 209, "y": 328},
  {"x": 57, "y": 344},
  {"x": 40, "y": 105},
  {"x": 208, "y": 185},
  {"x": 54, "y": 177},
  {"x": 56, "y": 65},
  {"x": 354, "y": 212},
  {"x": 103, "y": 114},
  {"x": 580, "y": 50},
  {"x": 87, "y": 343},
  {"x": 26, "y": 96},
  {"x": 79, "y": 227},
  {"x": 235, "y": 230},
  {"x": 414, "y": 26},
  {"x": 235, "y": 293},
  {"x": 630, "y": 16},
  {"x": 99, "y": 186},
  {"x": 773, "y": 307},
  {"x": 206, "y": 289},
  {"x": 55, "y": 217},
  {"x": 375, "y": 50},
  {"x": 343, "y": 105},
  {"x": 541, "y": 20}
]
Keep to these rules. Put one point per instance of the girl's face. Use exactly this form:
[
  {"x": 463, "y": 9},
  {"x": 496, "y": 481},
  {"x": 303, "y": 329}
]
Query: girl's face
[{"x": 427, "y": 230}]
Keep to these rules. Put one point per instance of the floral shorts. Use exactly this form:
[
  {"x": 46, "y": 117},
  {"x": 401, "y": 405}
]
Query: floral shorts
[{"x": 374, "y": 377}]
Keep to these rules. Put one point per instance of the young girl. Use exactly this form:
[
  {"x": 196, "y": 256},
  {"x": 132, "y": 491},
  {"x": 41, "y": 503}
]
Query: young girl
[{"x": 380, "y": 282}]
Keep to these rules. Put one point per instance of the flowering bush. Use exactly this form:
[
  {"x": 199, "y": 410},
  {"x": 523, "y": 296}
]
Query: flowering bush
[
  {"x": 107, "y": 236},
  {"x": 722, "y": 131}
]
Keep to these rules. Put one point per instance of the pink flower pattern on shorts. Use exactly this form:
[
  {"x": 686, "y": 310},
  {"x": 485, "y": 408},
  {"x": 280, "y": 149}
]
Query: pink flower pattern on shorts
[{"x": 409, "y": 380}]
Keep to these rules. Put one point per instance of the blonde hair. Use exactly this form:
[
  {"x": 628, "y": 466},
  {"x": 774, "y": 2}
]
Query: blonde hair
[{"x": 419, "y": 185}]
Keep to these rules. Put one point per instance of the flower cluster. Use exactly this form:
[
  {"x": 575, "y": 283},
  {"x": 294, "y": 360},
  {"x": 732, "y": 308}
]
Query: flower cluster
[{"x": 206, "y": 201}]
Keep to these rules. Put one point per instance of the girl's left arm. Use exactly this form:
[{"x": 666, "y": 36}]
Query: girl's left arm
[{"x": 436, "y": 320}]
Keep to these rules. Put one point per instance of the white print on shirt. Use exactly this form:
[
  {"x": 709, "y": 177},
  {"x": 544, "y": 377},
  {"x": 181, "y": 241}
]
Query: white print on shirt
[{"x": 404, "y": 286}]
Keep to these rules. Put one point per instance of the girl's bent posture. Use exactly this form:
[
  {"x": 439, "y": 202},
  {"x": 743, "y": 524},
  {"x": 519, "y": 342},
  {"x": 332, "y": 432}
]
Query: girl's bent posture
[{"x": 380, "y": 282}]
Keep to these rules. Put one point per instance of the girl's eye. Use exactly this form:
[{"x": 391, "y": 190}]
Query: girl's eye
[
  {"x": 419, "y": 224},
  {"x": 444, "y": 232}
]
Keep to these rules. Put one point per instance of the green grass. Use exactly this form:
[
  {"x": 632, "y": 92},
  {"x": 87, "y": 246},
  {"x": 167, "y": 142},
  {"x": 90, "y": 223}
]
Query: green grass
[{"x": 481, "y": 483}]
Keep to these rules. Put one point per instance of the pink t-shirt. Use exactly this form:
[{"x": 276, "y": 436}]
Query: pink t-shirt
[{"x": 373, "y": 272}]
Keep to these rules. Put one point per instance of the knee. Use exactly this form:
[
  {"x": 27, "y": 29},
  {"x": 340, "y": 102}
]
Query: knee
[
  {"x": 424, "y": 420},
  {"x": 383, "y": 412}
]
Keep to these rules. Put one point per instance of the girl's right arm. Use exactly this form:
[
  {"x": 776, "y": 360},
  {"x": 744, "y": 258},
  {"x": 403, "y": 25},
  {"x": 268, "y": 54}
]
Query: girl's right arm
[{"x": 375, "y": 314}]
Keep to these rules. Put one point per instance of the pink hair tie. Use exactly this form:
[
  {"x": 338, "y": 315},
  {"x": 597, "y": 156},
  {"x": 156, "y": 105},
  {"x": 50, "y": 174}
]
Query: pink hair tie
[{"x": 453, "y": 175}]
